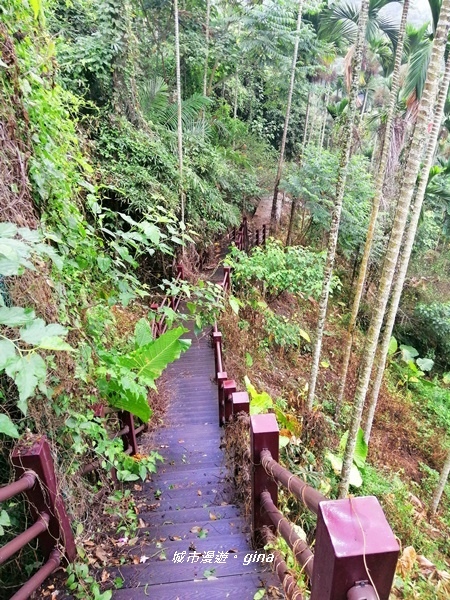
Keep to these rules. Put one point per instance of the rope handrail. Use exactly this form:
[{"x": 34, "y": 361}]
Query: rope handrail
[
  {"x": 309, "y": 496},
  {"x": 283, "y": 526}
]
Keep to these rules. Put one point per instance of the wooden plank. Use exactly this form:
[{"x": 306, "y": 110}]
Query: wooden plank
[
  {"x": 243, "y": 587},
  {"x": 190, "y": 514},
  {"x": 170, "y": 572}
]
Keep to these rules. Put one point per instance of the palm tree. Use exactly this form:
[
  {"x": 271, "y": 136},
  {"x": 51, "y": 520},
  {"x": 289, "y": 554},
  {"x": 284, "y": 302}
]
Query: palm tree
[
  {"x": 406, "y": 192},
  {"x": 339, "y": 22},
  {"x": 402, "y": 266},
  {"x": 273, "y": 216},
  {"x": 337, "y": 209},
  {"x": 375, "y": 207}
]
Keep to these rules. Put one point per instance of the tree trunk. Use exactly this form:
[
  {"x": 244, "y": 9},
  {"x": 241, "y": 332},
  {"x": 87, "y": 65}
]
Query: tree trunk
[
  {"x": 180, "y": 123},
  {"x": 324, "y": 125},
  {"x": 305, "y": 128},
  {"x": 205, "y": 72},
  {"x": 340, "y": 190},
  {"x": 408, "y": 243},
  {"x": 407, "y": 188},
  {"x": 441, "y": 485},
  {"x": 273, "y": 215},
  {"x": 291, "y": 221},
  {"x": 375, "y": 208}
]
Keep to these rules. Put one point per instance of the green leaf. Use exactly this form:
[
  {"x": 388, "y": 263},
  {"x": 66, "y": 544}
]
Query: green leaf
[
  {"x": 393, "y": 346},
  {"x": 259, "y": 595},
  {"x": 248, "y": 360},
  {"x": 336, "y": 463},
  {"x": 36, "y": 6},
  {"x": 234, "y": 303},
  {"x": 55, "y": 343},
  {"x": 259, "y": 402},
  {"x": 446, "y": 378},
  {"x": 149, "y": 361},
  {"x": 426, "y": 364},
  {"x": 361, "y": 449},
  {"x": 8, "y": 428},
  {"x": 5, "y": 521},
  {"x": 8, "y": 230},
  {"x": 126, "y": 394},
  {"x": 408, "y": 353},
  {"x": 284, "y": 441},
  {"x": 142, "y": 333},
  {"x": 37, "y": 331},
  {"x": 27, "y": 372},
  {"x": 15, "y": 316},
  {"x": 209, "y": 573},
  {"x": 7, "y": 351},
  {"x": 304, "y": 335}
]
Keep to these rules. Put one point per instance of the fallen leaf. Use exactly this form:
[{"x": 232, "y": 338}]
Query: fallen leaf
[
  {"x": 199, "y": 492},
  {"x": 406, "y": 561},
  {"x": 162, "y": 556},
  {"x": 195, "y": 529},
  {"x": 135, "y": 560},
  {"x": 209, "y": 574},
  {"x": 141, "y": 524},
  {"x": 101, "y": 555},
  {"x": 212, "y": 516},
  {"x": 105, "y": 575},
  {"x": 175, "y": 538},
  {"x": 144, "y": 558}
]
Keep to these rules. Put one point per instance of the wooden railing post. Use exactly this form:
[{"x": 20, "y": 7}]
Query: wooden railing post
[
  {"x": 264, "y": 234},
  {"x": 221, "y": 378},
  {"x": 264, "y": 435},
  {"x": 229, "y": 388},
  {"x": 34, "y": 454},
  {"x": 241, "y": 402},
  {"x": 353, "y": 534},
  {"x": 126, "y": 420},
  {"x": 257, "y": 238}
]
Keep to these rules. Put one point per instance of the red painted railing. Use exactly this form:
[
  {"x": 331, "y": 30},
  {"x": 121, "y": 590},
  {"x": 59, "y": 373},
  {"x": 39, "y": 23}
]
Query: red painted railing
[
  {"x": 355, "y": 552},
  {"x": 244, "y": 239},
  {"x": 35, "y": 477}
]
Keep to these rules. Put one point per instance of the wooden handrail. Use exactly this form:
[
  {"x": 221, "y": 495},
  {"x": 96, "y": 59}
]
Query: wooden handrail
[{"x": 299, "y": 547}]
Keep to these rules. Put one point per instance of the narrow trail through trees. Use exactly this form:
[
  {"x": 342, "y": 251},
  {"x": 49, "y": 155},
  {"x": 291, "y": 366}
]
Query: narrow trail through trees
[{"x": 195, "y": 540}]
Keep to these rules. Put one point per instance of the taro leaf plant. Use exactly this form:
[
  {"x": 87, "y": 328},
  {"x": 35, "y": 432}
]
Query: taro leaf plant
[
  {"x": 123, "y": 379},
  {"x": 22, "y": 333}
]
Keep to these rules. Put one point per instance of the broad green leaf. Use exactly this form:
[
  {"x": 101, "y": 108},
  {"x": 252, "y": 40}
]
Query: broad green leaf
[
  {"x": 151, "y": 231},
  {"x": 248, "y": 359},
  {"x": 28, "y": 372},
  {"x": 15, "y": 316},
  {"x": 393, "y": 346},
  {"x": 7, "y": 351},
  {"x": 426, "y": 364},
  {"x": 55, "y": 343},
  {"x": 8, "y": 428},
  {"x": 133, "y": 399},
  {"x": 234, "y": 303},
  {"x": 259, "y": 402},
  {"x": 37, "y": 331},
  {"x": 259, "y": 595},
  {"x": 149, "y": 361},
  {"x": 408, "y": 352},
  {"x": 8, "y": 230},
  {"x": 361, "y": 449},
  {"x": 5, "y": 521},
  {"x": 142, "y": 333},
  {"x": 336, "y": 463},
  {"x": 325, "y": 364},
  {"x": 446, "y": 378}
]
